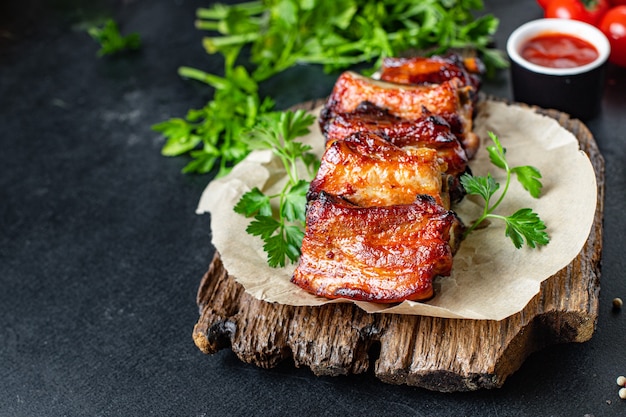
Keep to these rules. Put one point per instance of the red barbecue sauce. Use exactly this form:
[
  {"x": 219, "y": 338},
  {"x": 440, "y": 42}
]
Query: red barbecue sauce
[{"x": 558, "y": 50}]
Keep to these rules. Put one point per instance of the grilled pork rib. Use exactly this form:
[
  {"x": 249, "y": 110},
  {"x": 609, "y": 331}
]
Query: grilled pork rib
[
  {"x": 429, "y": 131},
  {"x": 450, "y": 100},
  {"x": 369, "y": 171},
  {"x": 432, "y": 70},
  {"x": 382, "y": 254}
]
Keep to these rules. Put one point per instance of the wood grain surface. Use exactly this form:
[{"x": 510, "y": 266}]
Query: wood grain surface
[{"x": 435, "y": 353}]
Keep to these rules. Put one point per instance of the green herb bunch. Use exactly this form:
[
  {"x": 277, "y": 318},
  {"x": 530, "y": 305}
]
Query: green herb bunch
[{"x": 343, "y": 33}]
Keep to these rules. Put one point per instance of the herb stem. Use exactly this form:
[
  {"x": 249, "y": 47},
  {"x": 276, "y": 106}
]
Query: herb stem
[
  {"x": 213, "y": 44},
  {"x": 506, "y": 188},
  {"x": 202, "y": 76},
  {"x": 218, "y": 13},
  {"x": 206, "y": 25},
  {"x": 475, "y": 224}
]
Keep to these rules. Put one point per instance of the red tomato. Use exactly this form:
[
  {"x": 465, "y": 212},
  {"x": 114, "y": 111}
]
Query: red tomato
[
  {"x": 544, "y": 3},
  {"x": 576, "y": 10},
  {"x": 613, "y": 25},
  {"x": 617, "y": 3}
]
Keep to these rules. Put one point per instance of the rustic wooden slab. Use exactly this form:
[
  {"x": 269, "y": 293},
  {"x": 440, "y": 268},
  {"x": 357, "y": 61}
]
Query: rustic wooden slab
[{"x": 434, "y": 353}]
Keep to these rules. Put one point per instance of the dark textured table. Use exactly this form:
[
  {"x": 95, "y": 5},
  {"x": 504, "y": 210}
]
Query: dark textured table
[{"x": 101, "y": 252}]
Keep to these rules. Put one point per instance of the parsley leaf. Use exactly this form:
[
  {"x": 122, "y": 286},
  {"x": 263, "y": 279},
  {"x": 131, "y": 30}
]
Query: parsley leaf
[
  {"x": 529, "y": 176},
  {"x": 254, "y": 202},
  {"x": 482, "y": 186},
  {"x": 111, "y": 40},
  {"x": 263, "y": 226},
  {"x": 294, "y": 206},
  {"x": 525, "y": 224},
  {"x": 286, "y": 244},
  {"x": 522, "y": 226}
]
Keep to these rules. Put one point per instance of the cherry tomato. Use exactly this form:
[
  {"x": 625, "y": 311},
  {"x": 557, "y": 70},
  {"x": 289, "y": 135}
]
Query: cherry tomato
[
  {"x": 544, "y": 3},
  {"x": 617, "y": 3},
  {"x": 613, "y": 25},
  {"x": 576, "y": 10}
]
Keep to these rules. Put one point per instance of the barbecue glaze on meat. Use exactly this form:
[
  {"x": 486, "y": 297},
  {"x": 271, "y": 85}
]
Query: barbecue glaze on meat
[
  {"x": 433, "y": 70},
  {"x": 382, "y": 254},
  {"x": 429, "y": 131},
  {"x": 367, "y": 170},
  {"x": 450, "y": 100}
]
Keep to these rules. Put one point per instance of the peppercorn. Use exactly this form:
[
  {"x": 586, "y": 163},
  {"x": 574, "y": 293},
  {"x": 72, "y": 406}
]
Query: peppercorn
[{"x": 617, "y": 303}]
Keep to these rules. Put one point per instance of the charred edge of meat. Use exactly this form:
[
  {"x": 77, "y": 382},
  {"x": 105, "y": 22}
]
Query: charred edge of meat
[
  {"x": 456, "y": 191},
  {"x": 326, "y": 114},
  {"x": 468, "y": 69},
  {"x": 361, "y": 295},
  {"x": 370, "y": 117}
]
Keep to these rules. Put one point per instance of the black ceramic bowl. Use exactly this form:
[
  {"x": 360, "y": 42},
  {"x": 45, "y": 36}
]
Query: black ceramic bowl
[{"x": 577, "y": 90}]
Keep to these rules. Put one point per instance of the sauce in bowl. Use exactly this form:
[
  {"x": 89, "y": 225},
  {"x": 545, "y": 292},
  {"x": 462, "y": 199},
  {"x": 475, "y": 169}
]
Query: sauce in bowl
[
  {"x": 558, "y": 50},
  {"x": 553, "y": 65}
]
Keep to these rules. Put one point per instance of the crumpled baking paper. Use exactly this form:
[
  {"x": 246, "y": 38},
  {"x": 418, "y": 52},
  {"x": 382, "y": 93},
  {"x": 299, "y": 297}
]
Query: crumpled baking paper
[{"x": 491, "y": 279}]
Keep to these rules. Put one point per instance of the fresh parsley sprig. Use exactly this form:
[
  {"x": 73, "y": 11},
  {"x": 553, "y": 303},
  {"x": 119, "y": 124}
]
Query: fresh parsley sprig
[
  {"x": 281, "y": 231},
  {"x": 522, "y": 226},
  {"x": 111, "y": 40}
]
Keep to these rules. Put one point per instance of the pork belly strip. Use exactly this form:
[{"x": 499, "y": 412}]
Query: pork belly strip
[
  {"x": 429, "y": 131},
  {"x": 380, "y": 254},
  {"x": 451, "y": 100},
  {"x": 433, "y": 70},
  {"x": 369, "y": 171}
]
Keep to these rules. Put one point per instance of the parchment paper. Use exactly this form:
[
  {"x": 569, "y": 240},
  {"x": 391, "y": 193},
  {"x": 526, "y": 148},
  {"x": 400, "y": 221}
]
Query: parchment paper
[{"x": 491, "y": 279}]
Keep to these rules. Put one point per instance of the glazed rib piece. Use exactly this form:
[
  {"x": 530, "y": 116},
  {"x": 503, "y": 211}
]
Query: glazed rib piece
[
  {"x": 433, "y": 70},
  {"x": 406, "y": 101},
  {"x": 450, "y": 100},
  {"x": 382, "y": 254},
  {"x": 430, "y": 131},
  {"x": 369, "y": 171}
]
